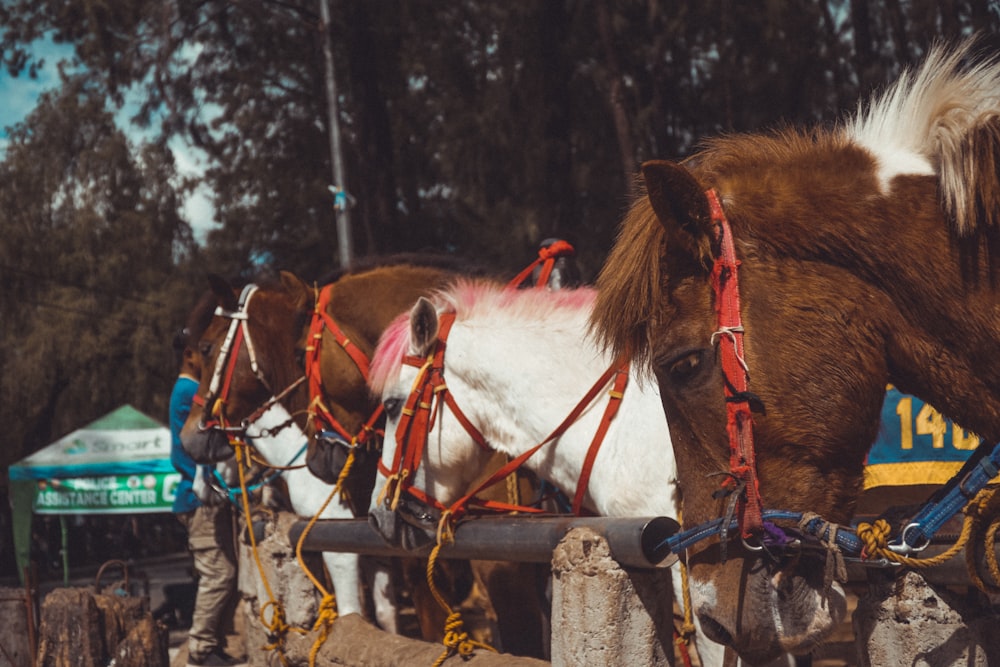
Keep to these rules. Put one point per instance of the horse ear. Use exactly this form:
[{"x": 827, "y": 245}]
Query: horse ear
[
  {"x": 681, "y": 206},
  {"x": 301, "y": 293},
  {"x": 423, "y": 326},
  {"x": 223, "y": 292}
]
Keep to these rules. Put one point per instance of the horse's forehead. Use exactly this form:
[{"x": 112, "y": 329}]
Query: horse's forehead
[
  {"x": 216, "y": 329},
  {"x": 685, "y": 316},
  {"x": 270, "y": 311}
]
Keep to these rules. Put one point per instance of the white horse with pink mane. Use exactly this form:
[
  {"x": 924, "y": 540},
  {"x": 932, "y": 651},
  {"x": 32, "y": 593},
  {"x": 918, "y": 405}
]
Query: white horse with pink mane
[{"x": 517, "y": 363}]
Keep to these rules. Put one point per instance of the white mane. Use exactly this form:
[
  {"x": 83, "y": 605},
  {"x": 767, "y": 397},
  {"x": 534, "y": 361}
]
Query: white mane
[{"x": 922, "y": 124}]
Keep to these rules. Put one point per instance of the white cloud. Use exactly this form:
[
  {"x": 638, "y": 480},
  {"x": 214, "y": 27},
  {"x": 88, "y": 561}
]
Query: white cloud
[{"x": 200, "y": 213}]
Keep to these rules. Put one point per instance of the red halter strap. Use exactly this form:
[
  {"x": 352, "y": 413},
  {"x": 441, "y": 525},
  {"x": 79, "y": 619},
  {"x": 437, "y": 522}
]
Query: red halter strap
[
  {"x": 739, "y": 420},
  {"x": 616, "y": 393},
  {"x": 323, "y": 419},
  {"x": 420, "y": 411},
  {"x": 547, "y": 258},
  {"x": 619, "y": 371}
]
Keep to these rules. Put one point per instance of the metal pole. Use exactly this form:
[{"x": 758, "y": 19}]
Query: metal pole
[
  {"x": 342, "y": 201},
  {"x": 64, "y": 541},
  {"x": 635, "y": 542}
]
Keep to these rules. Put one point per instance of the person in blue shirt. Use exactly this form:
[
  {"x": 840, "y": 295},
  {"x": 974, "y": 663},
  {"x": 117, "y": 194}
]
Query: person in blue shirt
[
  {"x": 209, "y": 526},
  {"x": 185, "y": 388}
]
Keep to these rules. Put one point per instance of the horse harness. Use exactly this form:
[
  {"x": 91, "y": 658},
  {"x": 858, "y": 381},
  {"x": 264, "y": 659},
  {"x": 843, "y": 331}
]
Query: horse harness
[
  {"x": 327, "y": 427},
  {"x": 430, "y": 392},
  {"x": 238, "y": 334},
  {"x": 226, "y": 363}
]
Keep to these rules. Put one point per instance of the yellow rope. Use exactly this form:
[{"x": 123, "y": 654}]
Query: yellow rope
[
  {"x": 986, "y": 512},
  {"x": 328, "y": 605},
  {"x": 687, "y": 629},
  {"x": 456, "y": 640},
  {"x": 876, "y": 537},
  {"x": 276, "y": 627}
]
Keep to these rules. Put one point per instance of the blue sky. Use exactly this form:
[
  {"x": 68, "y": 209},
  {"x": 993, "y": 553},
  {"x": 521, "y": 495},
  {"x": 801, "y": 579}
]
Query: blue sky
[{"x": 19, "y": 95}]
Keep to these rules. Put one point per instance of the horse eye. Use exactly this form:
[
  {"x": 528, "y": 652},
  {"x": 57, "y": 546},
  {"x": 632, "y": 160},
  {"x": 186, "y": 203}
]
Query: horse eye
[
  {"x": 682, "y": 370},
  {"x": 205, "y": 348},
  {"x": 300, "y": 357},
  {"x": 393, "y": 407}
]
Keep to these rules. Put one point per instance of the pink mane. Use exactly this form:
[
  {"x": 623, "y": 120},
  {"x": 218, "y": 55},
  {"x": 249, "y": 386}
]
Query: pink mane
[
  {"x": 388, "y": 358},
  {"x": 470, "y": 298}
]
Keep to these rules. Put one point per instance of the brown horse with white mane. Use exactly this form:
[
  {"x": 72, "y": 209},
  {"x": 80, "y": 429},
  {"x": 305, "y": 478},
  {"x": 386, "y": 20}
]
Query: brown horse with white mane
[{"x": 858, "y": 255}]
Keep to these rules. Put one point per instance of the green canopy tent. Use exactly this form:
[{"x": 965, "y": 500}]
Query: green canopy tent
[{"x": 118, "y": 464}]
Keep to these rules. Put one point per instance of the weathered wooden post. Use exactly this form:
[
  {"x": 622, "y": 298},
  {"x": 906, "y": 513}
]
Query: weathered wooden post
[
  {"x": 84, "y": 628},
  {"x": 15, "y": 638}
]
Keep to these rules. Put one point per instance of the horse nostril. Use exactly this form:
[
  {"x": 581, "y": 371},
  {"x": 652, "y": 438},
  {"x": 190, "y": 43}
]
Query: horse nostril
[{"x": 715, "y": 630}]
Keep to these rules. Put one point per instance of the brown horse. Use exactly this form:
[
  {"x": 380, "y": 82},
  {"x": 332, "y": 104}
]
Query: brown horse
[{"x": 864, "y": 254}]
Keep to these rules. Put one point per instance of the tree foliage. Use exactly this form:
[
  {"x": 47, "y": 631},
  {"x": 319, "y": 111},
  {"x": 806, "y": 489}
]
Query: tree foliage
[
  {"x": 471, "y": 127},
  {"x": 91, "y": 265}
]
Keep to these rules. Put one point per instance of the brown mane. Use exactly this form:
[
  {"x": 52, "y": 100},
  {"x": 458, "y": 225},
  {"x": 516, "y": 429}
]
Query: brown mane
[{"x": 631, "y": 284}]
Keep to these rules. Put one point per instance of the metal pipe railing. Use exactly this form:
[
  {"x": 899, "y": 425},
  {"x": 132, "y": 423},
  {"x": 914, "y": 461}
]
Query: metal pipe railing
[{"x": 634, "y": 542}]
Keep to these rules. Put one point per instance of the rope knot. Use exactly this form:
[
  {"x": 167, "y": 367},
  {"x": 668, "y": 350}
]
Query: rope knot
[
  {"x": 327, "y": 610},
  {"x": 556, "y": 249},
  {"x": 455, "y": 638},
  {"x": 324, "y": 622},
  {"x": 875, "y": 538},
  {"x": 457, "y": 641}
]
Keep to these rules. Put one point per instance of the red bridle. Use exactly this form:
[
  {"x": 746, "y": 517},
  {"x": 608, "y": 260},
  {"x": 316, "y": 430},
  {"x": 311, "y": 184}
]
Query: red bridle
[
  {"x": 225, "y": 363},
  {"x": 742, "y": 478},
  {"x": 225, "y": 369},
  {"x": 421, "y": 410},
  {"x": 323, "y": 419}
]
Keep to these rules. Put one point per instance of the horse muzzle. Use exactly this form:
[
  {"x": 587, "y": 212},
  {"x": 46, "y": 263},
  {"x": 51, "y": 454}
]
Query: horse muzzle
[
  {"x": 761, "y": 610},
  {"x": 326, "y": 459},
  {"x": 413, "y": 529},
  {"x": 208, "y": 445}
]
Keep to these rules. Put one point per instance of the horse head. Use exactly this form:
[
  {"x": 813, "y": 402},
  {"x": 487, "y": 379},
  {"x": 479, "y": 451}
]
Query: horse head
[
  {"x": 248, "y": 353},
  {"x": 439, "y": 469},
  {"x": 350, "y": 315}
]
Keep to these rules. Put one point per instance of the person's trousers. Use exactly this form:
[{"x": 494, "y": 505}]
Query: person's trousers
[{"x": 210, "y": 540}]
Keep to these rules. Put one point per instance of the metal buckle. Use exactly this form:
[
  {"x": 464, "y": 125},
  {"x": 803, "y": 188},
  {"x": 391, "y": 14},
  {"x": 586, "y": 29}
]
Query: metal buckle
[
  {"x": 746, "y": 546},
  {"x": 904, "y": 548}
]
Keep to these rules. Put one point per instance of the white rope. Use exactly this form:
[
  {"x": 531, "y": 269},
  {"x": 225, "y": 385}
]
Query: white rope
[{"x": 731, "y": 333}]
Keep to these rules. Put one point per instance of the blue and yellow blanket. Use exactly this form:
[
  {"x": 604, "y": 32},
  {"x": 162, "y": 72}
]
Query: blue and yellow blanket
[{"x": 916, "y": 444}]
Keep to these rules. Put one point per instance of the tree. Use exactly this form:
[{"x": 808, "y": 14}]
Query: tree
[
  {"x": 92, "y": 244},
  {"x": 470, "y": 127}
]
